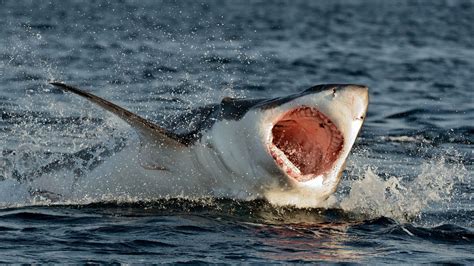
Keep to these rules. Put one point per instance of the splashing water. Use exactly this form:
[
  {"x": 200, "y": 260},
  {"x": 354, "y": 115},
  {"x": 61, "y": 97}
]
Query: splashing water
[
  {"x": 371, "y": 196},
  {"x": 405, "y": 200}
]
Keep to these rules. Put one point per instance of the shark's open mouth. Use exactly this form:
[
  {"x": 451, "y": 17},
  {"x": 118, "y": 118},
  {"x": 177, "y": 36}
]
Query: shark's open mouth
[{"x": 305, "y": 143}]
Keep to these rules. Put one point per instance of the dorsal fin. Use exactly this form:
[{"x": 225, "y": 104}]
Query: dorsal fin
[
  {"x": 146, "y": 129},
  {"x": 236, "y": 108},
  {"x": 228, "y": 99}
]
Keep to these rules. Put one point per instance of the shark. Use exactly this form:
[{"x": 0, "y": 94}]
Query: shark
[{"x": 288, "y": 150}]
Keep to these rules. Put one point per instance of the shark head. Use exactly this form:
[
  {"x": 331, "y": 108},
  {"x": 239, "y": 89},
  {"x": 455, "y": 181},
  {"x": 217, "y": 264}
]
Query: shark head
[
  {"x": 309, "y": 135},
  {"x": 296, "y": 146}
]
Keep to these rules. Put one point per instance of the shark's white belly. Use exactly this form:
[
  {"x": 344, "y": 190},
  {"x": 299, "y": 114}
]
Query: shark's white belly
[{"x": 122, "y": 175}]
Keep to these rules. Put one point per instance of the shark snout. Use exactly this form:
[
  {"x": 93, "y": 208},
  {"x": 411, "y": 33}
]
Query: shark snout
[
  {"x": 358, "y": 91},
  {"x": 356, "y": 97}
]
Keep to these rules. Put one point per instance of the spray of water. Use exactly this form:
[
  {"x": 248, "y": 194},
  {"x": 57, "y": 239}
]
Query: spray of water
[{"x": 405, "y": 199}]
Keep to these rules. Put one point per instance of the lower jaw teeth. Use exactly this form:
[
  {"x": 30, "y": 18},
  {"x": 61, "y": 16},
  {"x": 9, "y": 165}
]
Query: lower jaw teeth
[{"x": 286, "y": 164}]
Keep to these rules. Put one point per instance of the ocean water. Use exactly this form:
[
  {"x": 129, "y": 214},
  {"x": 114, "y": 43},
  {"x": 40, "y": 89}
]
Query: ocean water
[{"x": 406, "y": 195}]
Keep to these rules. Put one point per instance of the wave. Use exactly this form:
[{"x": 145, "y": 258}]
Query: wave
[{"x": 246, "y": 213}]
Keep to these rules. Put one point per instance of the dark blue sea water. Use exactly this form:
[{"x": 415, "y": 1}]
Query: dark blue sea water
[{"x": 406, "y": 196}]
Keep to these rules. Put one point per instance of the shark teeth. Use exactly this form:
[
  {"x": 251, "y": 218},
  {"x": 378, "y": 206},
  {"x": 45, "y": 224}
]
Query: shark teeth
[
  {"x": 280, "y": 157},
  {"x": 305, "y": 143}
]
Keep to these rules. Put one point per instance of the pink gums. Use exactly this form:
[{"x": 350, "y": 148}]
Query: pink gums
[{"x": 309, "y": 140}]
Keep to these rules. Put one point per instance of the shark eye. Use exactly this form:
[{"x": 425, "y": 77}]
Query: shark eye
[{"x": 305, "y": 143}]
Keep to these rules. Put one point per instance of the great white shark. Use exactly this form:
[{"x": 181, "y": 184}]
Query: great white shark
[{"x": 288, "y": 150}]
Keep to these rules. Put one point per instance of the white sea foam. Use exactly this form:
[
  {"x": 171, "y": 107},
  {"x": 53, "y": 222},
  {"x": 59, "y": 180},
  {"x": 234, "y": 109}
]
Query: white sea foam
[
  {"x": 418, "y": 138},
  {"x": 404, "y": 200}
]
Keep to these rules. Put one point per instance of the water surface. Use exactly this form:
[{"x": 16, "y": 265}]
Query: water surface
[{"x": 406, "y": 196}]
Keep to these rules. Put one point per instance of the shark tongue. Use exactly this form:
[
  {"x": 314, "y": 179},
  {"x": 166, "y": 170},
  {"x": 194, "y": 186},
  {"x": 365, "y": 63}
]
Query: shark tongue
[{"x": 305, "y": 143}]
